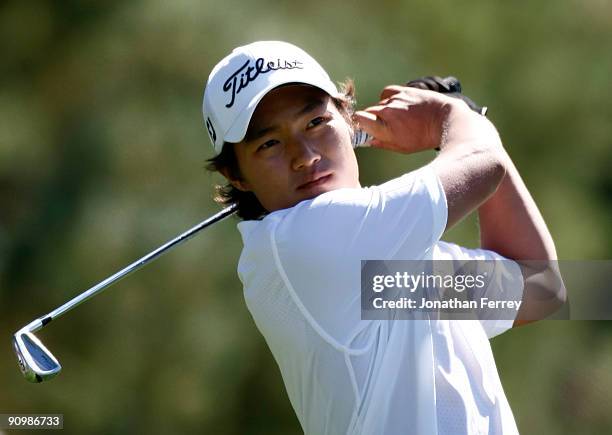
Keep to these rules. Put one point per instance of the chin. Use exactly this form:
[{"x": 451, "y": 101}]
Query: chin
[{"x": 313, "y": 193}]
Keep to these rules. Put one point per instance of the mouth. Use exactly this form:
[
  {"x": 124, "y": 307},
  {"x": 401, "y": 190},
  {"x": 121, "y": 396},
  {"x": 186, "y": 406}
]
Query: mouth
[{"x": 316, "y": 181}]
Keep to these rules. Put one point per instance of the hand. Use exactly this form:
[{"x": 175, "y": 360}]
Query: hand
[
  {"x": 407, "y": 120},
  {"x": 446, "y": 85}
]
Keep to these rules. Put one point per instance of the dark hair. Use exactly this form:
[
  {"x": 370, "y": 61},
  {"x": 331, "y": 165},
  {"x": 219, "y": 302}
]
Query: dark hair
[{"x": 249, "y": 207}]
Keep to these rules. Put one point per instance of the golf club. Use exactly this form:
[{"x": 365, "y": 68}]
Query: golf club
[{"x": 35, "y": 361}]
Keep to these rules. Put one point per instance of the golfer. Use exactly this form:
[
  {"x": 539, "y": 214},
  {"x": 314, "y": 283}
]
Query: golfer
[{"x": 282, "y": 134}]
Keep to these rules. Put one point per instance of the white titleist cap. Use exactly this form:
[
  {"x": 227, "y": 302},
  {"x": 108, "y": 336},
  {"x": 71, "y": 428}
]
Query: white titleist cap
[{"x": 238, "y": 83}]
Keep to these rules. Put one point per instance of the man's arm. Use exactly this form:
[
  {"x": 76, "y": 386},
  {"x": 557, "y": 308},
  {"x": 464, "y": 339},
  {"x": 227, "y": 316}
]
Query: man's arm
[
  {"x": 476, "y": 173},
  {"x": 511, "y": 224},
  {"x": 471, "y": 161}
]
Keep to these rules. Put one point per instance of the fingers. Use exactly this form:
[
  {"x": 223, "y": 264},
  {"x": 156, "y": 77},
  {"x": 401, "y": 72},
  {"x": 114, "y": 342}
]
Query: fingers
[
  {"x": 408, "y": 94},
  {"x": 369, "y": 122},
  {"x": 377, "y": 143},
  {"x": 418, "y": 85},
  {"x": 391, "y": 90},
  {"x": 402, "y": 120},
  {"x": 374, "y": 119}
]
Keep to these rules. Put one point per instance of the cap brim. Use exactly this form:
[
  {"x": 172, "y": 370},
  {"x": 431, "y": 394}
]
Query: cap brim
[{"x": 240, "y": 126}]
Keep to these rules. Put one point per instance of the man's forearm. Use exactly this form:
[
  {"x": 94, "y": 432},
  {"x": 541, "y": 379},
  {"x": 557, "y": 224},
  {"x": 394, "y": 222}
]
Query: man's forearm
[
  {"x": 471, "y": 162},
  {"x": 511, "y": 223}
]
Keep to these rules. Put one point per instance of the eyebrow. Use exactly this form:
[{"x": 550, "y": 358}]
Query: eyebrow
[{"x": 313, "y": 104}]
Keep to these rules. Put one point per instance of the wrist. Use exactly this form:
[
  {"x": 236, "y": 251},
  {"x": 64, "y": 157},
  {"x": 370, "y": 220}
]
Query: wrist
[{"x": 464, "y": 127}]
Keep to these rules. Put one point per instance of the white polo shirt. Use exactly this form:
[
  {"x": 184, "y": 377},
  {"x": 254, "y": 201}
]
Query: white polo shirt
[{"x": 300, "y": 268}]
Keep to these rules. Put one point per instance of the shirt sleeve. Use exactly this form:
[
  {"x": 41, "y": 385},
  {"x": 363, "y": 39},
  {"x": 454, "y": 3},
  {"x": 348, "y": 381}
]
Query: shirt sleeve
[
  {"x": 504, "y": 282},
  {"x": 400, "y": 219}
]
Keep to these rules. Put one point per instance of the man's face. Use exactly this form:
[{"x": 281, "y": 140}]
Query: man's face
[{"x": 298, "y": 146}]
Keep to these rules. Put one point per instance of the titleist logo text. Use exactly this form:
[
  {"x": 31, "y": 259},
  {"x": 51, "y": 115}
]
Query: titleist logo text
[{"x": 247, "y": 73}]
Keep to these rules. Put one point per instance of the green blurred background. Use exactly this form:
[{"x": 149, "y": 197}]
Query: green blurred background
[{"x": 102, "y": 154}]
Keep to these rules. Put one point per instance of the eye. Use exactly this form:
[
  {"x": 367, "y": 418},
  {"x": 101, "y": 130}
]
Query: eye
[
  {"x": 317, "y": 121},
  {"x": 267, "y": 144}
]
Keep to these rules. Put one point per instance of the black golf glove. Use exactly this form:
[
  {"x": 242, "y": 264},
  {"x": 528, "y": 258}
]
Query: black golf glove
[{"x": 446, "y": 85}]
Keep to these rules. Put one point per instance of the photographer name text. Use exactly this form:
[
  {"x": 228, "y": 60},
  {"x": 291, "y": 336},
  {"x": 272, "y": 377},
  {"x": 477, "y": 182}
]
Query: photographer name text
[{"x": 449, "y": 304}]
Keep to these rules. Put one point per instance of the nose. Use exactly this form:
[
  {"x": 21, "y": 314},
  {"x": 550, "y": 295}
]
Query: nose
[{"x": 305, "y": 154}]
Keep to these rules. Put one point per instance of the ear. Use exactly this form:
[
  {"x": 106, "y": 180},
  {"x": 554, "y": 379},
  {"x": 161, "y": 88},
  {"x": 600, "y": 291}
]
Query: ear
[{"x": 238, "y": 183}]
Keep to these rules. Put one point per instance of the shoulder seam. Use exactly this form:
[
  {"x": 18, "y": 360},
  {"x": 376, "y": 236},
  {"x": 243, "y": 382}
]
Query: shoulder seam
[{"x": 311, "y": 321}]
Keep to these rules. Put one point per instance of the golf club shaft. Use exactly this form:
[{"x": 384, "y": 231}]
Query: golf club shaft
[{"x": 42, "y": 321}]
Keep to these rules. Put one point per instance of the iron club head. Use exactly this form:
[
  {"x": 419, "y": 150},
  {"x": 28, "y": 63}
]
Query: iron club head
[{"x": 35, "y": 361}]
